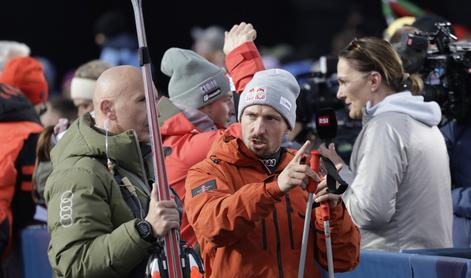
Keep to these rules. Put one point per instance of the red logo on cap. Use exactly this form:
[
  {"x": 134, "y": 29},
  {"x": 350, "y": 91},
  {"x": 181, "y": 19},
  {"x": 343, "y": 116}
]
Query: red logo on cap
[{"x": 256, "y": 94}]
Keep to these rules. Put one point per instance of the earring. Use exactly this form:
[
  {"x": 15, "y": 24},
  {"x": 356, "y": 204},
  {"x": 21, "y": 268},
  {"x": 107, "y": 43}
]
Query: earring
[{"x": 109, "y": 163}]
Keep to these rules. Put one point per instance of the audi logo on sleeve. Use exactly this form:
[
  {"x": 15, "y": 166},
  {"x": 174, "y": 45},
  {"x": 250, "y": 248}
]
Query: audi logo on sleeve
[{"x": 65, "y": 212}]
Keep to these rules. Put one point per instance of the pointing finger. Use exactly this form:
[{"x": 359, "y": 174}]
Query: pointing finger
[{"x": 300, "y": 152}]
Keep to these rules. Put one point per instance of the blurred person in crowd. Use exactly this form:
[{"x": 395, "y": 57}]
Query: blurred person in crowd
[
  {"x": 60, "y": 113},
  {"x": 273, "y": 56},
  {"x": 399, "y": 34},
  {"x": 245, "y": 201},
  {"x": 83, "y": 84},
  {"x": 57, "y": 108},
  {"x": 10, "y": 50},
  {"x": 118, "y": 45},
  {"x": 394, "y": 31},
  {"x": 399, "y": 193},
  {"x": 96, "y": 231},
  {"x": 458, "y": 139},
  {"x": 201, "y": 93},
  {"x": 26, "y": 74},
  {"x": 209, "y": 43},
  {"x": 19, "y": 129}
]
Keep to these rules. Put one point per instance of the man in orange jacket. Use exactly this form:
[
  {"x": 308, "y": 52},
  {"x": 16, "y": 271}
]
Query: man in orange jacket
[
  {"x": 201, "y": 92},
  {"x": 246, "y": 201},
  {"x": 23, "y": 95}
]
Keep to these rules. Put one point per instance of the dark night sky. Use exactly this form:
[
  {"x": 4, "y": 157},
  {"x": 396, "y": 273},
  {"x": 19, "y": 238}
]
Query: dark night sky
[{"x": 63, "y": 30}]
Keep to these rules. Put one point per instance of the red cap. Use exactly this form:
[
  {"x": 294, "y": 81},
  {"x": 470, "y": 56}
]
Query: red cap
[{"x": 26, "y": 73}]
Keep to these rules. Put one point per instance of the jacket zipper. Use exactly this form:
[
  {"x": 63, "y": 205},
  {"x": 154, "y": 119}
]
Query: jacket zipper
[
  {"x": 145, "y": 188},
  {"x": 289, "y": 210},
  {"x": 141, "y": 162},
  {"x": 264, "y": 235},
  {"x": 278, "y": 247}
]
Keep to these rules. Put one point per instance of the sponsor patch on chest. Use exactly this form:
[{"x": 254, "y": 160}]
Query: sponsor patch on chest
[{"x": 207, "y": 186}]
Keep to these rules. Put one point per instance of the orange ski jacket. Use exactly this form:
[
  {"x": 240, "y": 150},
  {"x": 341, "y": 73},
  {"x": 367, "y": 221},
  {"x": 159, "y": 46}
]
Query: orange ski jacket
[
  {"x": 19, "y": 129},
  {"x": 248, "y": 228}
]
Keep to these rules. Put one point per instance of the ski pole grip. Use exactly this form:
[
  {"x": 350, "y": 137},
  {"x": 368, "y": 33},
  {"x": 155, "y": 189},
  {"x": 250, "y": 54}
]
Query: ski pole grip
[{"x": 314, "y": 162}]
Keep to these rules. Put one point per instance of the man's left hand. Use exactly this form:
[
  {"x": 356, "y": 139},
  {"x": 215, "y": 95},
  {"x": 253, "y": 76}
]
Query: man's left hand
[{"x": 321, "y": 194}]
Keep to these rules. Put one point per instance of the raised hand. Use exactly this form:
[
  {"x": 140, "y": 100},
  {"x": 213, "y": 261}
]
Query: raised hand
[
  {"x": 295, "y": 173},
  {"x": 238, "y": 35},
  {"x": 162, "y": 215}
]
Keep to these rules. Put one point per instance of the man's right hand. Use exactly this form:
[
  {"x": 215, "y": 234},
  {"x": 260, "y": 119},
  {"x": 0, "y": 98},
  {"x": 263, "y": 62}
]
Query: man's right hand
[
  {"x": 162, "y": 215},
  {"x": 295, "y": 173},
  {"x": 238, "y": 35}
]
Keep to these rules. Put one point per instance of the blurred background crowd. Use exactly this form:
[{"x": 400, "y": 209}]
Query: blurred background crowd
[{"x": 64, "y": 32}]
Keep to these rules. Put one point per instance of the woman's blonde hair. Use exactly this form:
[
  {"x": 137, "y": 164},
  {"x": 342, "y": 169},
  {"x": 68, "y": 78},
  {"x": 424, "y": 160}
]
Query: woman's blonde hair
[{"x": 374, "y": 54}]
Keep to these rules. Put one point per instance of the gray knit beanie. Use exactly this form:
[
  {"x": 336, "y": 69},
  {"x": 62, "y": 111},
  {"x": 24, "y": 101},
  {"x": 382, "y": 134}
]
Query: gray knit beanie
[
  {"x": 194, "y": 81},
  {"x": 274, "y": 87}
]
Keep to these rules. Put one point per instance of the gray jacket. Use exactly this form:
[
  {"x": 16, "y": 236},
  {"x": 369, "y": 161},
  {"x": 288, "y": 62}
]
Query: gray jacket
[{"x": 400, "y": 185}]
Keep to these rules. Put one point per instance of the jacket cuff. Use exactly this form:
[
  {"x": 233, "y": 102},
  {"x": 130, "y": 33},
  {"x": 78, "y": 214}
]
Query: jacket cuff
[
  {"x": 273, "y": 190},
  {"x": 245, "y": 51},
  {"x": 135, "y": 237}
]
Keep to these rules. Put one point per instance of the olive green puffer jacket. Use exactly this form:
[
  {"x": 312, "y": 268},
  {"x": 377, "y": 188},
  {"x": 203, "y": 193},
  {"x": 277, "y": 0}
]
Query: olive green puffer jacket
[{"x": 92, "y": 228}]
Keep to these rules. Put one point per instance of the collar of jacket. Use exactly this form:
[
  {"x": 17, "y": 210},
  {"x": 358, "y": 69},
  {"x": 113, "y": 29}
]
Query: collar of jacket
[
  {"x": 180, "y": 124},
  {"x": 83, "y": 139},
  {"x": 233, "y": 150}
]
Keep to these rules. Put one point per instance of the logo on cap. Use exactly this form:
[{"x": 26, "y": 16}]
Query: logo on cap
[
  {"x": 210, "y": 89},
  {"x": 256, "y": 94},
  {"x": 285, "y": 102}
]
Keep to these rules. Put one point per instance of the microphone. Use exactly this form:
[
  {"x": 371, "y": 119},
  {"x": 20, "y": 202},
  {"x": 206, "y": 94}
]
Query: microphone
[{"x": 326, "y": 125}]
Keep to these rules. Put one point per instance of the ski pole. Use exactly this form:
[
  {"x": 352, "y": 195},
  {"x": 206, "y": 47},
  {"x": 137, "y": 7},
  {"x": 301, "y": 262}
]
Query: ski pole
[
  {"x": 325, "y": 216},
  {"x": 171, "y": 241}
]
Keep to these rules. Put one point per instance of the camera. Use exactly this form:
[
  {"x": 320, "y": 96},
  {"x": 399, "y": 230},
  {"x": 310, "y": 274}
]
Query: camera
[
  {"x": 318, "y": 89},
  {"x": 444, "y": 68}
]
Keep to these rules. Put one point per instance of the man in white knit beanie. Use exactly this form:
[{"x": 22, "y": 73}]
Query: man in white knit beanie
[{"x": 83, "y": 84}]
